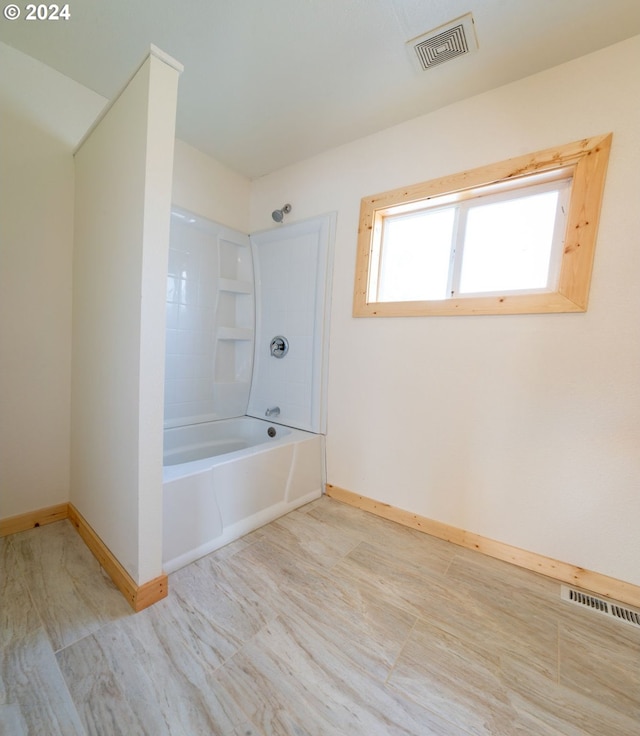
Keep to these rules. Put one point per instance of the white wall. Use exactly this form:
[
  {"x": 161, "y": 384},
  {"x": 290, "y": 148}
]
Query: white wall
[
  {"x": 524, "y": 429},
  {"x": 123, "y": 197},
  {"x": 203, "y": 185},
  {"x": 161, "y": 123},
  {"x": 43, "y": 117}
]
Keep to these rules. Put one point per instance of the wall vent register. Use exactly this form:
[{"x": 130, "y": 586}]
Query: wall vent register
[{"x": 612, "y": 609}]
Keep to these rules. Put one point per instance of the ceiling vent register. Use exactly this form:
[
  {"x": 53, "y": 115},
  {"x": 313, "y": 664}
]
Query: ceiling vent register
[{"x": 444, "y": 43}]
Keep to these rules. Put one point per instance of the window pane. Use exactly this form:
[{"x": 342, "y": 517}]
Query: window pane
[
  {"x": 415, "y": 256},
  {"x": 508, "y": 244}
]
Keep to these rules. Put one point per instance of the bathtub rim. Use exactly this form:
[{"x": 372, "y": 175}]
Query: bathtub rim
[{"x": 294, "y": 435}]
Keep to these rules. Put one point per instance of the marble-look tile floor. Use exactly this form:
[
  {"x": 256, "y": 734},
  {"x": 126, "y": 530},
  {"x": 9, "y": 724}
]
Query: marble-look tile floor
[{"x": 329, "y": 621}]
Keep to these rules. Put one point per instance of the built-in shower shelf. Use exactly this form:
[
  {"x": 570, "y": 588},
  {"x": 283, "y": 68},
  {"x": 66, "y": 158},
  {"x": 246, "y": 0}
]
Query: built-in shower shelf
[
  {"x": 235, "y": 333},
  {"x": 235, "y": 286}
]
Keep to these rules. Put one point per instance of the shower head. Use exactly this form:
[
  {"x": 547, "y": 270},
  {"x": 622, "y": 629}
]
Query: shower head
[{"x": 278, "y": 215}]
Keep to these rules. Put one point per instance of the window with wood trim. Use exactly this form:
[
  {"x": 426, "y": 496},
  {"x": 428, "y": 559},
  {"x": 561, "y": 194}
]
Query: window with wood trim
[{"x": 510, "y": 238}]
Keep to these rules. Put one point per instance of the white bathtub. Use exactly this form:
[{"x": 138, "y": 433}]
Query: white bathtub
[{"x": 226, "y": 478}]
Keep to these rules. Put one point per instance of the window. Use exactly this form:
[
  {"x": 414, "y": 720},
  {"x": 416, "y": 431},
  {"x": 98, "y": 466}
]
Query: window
[{"x": 510, "y": 238}]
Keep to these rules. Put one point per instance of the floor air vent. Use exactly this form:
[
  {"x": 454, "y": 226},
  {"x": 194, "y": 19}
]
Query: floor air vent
[
  {"x": 444, "y": 43},
  {"x": 612, "y": 609}
]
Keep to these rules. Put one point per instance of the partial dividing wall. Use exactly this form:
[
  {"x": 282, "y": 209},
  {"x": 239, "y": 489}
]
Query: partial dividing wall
[
  {"x": 123, "y": 196},
  {"x": 522, "y": 429}
]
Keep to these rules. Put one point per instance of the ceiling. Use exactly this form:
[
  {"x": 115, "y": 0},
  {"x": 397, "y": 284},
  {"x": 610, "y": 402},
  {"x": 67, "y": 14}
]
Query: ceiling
[{"x": 267, "y": 83}]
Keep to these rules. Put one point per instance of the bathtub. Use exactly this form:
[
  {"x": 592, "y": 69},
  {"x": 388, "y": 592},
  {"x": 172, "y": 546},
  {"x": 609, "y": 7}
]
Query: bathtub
[{"x": 225, "y": 478}]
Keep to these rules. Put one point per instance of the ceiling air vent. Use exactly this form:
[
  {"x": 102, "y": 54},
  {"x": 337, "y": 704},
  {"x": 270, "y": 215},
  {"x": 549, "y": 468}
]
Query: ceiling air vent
[
  {"x": 444, "y": 43},
  {"x": 613, "y": 609}
]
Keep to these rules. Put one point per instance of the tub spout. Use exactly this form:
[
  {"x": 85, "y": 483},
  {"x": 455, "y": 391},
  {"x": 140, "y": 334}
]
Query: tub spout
[{"x": 273, "y": 411}]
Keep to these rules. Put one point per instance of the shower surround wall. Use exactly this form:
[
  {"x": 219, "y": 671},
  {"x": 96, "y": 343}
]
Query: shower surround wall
[
  {"x": 221, "y": 319},
  {"x": 293, "y": 268},
  {"x": 210, "y": 322}
]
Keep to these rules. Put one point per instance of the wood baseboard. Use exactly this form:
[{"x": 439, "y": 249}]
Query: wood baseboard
[
  {"x": 561, "y": 571},
  {"x": 139, "y": 596},
  {"x": 32, "y": 519}
]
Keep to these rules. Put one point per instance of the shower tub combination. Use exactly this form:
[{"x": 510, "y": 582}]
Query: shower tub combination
[
  {"x": 244, "y": 424},
  {"x": 225, "y": 478}
]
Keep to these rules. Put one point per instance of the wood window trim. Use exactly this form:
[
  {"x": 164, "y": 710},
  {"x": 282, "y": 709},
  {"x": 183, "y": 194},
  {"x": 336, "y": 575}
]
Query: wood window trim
[{"x": 587, "y": 158}]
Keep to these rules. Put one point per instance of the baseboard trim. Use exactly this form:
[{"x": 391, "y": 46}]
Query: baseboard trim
[
  {"x": 139, "y": 596},
  {"x": 561, "y": 571},
  {"x": 32, "y": 519}
]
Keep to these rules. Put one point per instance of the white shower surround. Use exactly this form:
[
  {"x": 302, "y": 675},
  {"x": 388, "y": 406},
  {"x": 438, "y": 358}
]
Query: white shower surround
[
  {"x": 293, "y": 266},
  {"x": 210, "y": 321},
  {"x": 224, "y": 473}
]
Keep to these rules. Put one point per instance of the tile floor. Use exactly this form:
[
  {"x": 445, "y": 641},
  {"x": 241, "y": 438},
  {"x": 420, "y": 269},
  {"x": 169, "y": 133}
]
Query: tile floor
[{"x": 329, "y": 621}]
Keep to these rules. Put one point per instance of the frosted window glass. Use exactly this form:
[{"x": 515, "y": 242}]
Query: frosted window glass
[
  {"x": 508, "y": 244},
  {"x": 415, "y": 258}
]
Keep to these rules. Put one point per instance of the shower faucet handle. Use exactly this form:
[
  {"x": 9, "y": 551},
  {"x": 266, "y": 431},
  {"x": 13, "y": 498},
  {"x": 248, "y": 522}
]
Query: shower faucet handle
[
  {"x": 279, "y": 346},
  {"x": 273, "y": 411}
]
